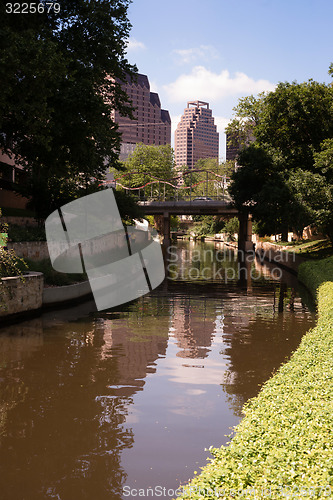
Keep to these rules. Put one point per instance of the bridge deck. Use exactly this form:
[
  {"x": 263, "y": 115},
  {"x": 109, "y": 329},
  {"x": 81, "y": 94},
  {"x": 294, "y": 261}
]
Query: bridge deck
[{"x": 199, "y": 207}]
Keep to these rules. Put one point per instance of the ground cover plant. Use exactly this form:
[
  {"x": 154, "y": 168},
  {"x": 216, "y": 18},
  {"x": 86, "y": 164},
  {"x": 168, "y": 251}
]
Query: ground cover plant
[{"x": 283, "y": 448}]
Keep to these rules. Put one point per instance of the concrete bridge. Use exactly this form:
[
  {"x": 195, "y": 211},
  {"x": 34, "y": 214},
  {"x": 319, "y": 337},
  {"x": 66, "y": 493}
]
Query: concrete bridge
[
  {"x": 194, "y": 192},
  {"x": 199, "y": 207}
]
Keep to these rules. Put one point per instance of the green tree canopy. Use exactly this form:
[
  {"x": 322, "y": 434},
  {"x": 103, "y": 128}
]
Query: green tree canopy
[
  {"x": 295, "y": 120},
  {"x": 324, "y": 167},
  {"x": 145, "y": 164},
  {"x": 286, "y": 174},
  {"x": 208, "y": 177},
  {"x": 56, "y": 91}
]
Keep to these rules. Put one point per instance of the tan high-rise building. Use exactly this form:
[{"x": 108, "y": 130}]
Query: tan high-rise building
[
  {"x": 196, "y": 135},
  {"x": 152, "y": 125}
]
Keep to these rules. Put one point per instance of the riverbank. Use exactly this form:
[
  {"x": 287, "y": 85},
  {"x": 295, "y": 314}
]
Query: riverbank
[{"x": 283, "y": 446}]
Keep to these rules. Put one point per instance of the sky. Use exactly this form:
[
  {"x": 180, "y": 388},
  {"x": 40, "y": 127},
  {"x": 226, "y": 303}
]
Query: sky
[{"x": 219, "y": 51}]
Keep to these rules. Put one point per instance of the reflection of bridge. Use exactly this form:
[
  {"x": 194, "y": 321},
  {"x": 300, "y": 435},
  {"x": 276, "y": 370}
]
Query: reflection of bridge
[{"x": 194, "y": 192}]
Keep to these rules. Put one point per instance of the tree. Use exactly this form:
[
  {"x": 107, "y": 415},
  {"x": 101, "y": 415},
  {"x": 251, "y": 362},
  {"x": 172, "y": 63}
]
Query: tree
[
  {"x": 208, "y": 224},
  {"x": 291, "y": 127},
  {"x": 324, "y": 168},
  {"x": 207, "y": 178},
  {"x": 59, "y": 81},
  {"x": 291, "y": 121},
  {"x": 231, "y": 227},
  {"x": 295, "y": 120},
  {"x": 128, "y": 208},
  {"x": 259, "y": 188},
  {"x": 248, "y": 113},
  {"x": 148, "y": 163}
]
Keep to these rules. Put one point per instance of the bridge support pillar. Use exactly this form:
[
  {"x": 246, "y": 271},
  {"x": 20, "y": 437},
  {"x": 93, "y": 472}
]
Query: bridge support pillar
[
  {"x": 166, "y": 229},
  {"x": 245, "y": 232}
]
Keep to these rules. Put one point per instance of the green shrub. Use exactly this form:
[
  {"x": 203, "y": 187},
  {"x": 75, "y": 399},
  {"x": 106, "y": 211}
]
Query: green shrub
[
  {"x": 10, "y": 264},
  {"x": 314, "y": 273},
  {"x": 26, "y": 233},
  {"x": 52, "y": 277},
  {"x": 284, "y": 445},
  {"x": 3, "y": 225},
  {"x": 231, "y": 227}
]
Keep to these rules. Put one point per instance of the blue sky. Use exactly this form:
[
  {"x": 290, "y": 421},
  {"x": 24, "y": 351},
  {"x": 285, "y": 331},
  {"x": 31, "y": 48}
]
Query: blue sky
[{"x": 218, "y": 51}]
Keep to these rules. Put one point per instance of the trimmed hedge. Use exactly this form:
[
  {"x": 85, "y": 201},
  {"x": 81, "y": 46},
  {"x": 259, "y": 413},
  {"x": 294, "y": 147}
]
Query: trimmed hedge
[
  {"x": 284, "y": 445},
  {"x": 313, "y": 274}
]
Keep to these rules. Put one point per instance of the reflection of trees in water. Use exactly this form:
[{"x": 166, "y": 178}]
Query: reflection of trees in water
[
  {"x": 65, "y": 437},
  {"x": 16, "y": 343}
]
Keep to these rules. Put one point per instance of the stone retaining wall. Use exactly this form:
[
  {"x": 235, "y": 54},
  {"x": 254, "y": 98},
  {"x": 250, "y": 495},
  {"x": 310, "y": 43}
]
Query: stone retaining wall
[
  {"x": 33, "y": 250},
  {"x": 19, "y": 221},
  {"x": 21, "y": 295}
]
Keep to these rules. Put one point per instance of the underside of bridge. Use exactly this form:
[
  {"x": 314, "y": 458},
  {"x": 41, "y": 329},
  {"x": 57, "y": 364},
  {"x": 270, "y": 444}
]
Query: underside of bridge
[{"x": 166, "y": 209}]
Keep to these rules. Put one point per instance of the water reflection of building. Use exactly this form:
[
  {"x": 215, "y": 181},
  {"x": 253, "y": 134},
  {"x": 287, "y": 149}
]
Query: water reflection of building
[
  {"x": 193, "y": 329},
  {"x": 134, "y": 349},
  {"x": 73, "y": 380}
]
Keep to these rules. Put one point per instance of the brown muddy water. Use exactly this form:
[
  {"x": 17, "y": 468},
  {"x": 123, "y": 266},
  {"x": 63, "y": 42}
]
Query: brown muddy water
[{"x": 124, "y": 403}]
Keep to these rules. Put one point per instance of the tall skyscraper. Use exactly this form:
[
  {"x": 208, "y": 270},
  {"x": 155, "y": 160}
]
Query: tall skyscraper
[
  {"x": 196, "y": 136},
  {"x": 152, "y": 125}
]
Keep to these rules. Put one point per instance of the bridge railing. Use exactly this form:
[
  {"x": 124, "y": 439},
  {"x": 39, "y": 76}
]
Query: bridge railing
[
  {"x": 180, "y": 188},
  {"x": 226, "y": 198}
]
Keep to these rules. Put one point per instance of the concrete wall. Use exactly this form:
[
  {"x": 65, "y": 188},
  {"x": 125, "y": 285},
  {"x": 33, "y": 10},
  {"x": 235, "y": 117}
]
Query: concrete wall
[
  {"x": 33, "y": 250},
  {"x": 37, "y": 250},
  {"x": 9, "y": 199},
  {"x": 19, "y": 221},
  {"x": 279, "y": 255},
  {"x": 19, "y": 295},
  {"x": 62, "y": 294}
]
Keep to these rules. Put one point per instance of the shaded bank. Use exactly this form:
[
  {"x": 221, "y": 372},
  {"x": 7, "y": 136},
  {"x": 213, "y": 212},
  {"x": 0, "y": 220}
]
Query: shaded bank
[{"x": 283, "y": 446}]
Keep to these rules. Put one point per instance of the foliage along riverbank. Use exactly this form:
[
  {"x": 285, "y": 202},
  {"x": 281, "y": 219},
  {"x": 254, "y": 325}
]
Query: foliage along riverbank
[{"x": 284, "y": 445}]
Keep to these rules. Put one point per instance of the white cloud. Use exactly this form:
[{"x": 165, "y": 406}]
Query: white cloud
[
  {"x": 186, "y": 56},
  {"x": 205, "y": 85},
  {"x": 134, "y": 44}
]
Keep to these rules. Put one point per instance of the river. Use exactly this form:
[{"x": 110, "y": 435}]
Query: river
[{"x": 105, "y": 405}]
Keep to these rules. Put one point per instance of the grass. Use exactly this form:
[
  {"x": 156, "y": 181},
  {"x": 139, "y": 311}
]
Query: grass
[
  {"x": 317, "y": 249},
  {"x": 284, "y": 445}
]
